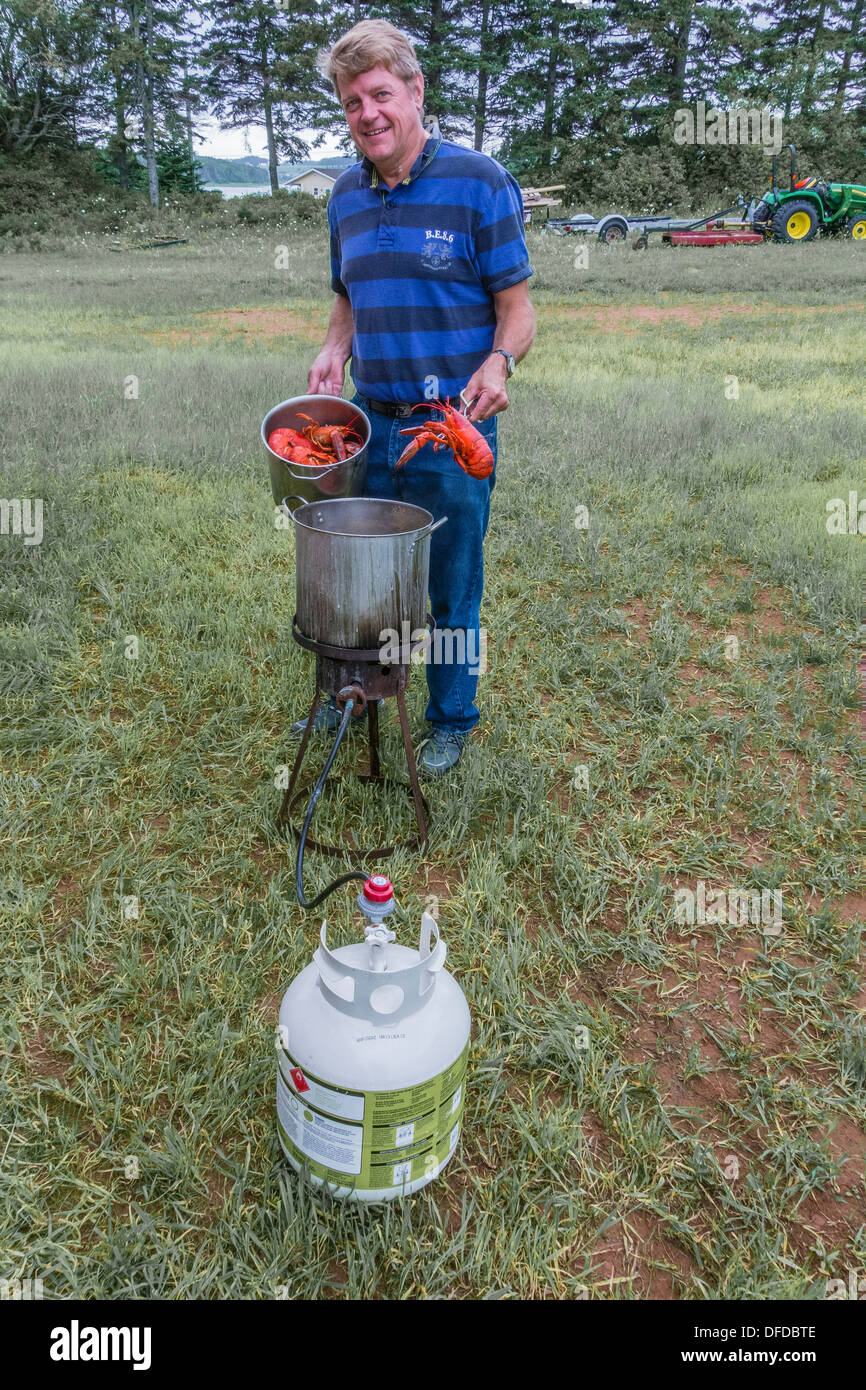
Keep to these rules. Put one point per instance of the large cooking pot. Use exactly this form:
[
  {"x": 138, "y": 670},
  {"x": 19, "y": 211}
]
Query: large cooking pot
[
  {"x": 362, "y": 567},
  {"x": 344, "y": 479}
]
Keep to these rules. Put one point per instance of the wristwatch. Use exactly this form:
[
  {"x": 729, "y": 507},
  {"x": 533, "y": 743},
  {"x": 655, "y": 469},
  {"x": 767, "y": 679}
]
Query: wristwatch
[{"x": 509, "y": 360}]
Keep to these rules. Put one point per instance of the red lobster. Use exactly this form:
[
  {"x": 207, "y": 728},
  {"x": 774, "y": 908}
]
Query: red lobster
[
  {"x": 341, "y": 438},
  {"x": 291, "y": 445},
  {"x": 317, "y": 445},
  {"x": 455, "y": 432}
]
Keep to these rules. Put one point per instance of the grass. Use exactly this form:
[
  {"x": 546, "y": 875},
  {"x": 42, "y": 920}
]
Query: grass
[{"x": 708, "y": 1142}]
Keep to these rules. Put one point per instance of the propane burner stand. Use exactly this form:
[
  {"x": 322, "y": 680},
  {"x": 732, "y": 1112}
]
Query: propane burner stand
[{"x": 360, "y": 675}]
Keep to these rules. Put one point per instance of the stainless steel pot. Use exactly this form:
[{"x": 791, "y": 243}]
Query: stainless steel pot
[
  {"x": 344, "y": 479},
  {"x": 362, "y": 567}
]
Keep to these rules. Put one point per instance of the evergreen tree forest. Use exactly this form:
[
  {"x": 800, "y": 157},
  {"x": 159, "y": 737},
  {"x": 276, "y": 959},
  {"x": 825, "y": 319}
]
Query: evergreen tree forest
[{"x": 582, "y": 94}]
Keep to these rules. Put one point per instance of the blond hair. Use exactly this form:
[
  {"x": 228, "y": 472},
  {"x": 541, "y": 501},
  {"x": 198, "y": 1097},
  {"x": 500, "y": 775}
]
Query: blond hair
[{"x": 374, "y": 43}]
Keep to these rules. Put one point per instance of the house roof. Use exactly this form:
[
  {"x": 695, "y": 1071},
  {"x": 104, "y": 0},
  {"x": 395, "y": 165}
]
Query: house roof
[{"x": 332, "y": 166}]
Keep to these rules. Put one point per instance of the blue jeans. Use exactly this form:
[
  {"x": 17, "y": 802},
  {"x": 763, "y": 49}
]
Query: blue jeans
[{"x": 436, "y": 481}]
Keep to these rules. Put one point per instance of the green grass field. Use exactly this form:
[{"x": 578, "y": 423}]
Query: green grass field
[{"x": 673, "y": 696}]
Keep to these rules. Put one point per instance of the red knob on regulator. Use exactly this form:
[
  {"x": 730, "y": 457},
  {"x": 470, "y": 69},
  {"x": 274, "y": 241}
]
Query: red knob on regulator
[{"x": 378, "y": 889}]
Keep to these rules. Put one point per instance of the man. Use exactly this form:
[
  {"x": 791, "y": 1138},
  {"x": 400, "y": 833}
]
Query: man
[{"x": 429, "y": 265}]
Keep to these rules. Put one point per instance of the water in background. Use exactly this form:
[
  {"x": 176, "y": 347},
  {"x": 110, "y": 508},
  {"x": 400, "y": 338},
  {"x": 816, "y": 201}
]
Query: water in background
[{"x": 237, "y": 190}]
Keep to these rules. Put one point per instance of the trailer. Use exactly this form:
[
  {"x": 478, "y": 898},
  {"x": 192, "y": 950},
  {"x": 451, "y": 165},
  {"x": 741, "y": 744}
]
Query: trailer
[
  {"x": 674, "y": 231},
  {"x": 613, "y": 227}
]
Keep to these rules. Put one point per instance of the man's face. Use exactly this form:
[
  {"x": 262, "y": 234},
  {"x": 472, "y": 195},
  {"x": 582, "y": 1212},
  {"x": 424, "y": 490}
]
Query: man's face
[{"x": 383, "y": 114}]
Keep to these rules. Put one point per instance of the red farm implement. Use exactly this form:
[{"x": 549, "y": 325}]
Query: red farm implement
[{"x": 707, "y": 231}]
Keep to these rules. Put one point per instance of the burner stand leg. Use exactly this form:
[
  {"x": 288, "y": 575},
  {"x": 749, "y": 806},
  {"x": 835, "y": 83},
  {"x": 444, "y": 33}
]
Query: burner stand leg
[
  {"x": 373, "y": 731},
  {"x": 410, "y": 760},
  {"x": 314, "y": 709}
]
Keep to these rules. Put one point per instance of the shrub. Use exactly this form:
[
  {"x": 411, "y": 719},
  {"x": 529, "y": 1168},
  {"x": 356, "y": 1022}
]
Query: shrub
[
  {"x": 640, "y": 182},
  {"x": 280, "y": 209},
  {"x": 45, "y": 201}
]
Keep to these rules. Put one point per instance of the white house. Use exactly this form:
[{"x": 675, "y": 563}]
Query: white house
[{"x": 314, "y": 176}]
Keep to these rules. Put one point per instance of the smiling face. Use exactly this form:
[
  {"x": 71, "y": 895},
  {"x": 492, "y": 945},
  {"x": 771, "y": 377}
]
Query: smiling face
[{"x": 384, "y": 116}]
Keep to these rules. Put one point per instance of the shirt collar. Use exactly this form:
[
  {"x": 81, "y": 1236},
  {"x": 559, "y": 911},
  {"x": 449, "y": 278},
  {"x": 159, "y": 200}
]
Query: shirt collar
[{"x": 434, "y": 140}]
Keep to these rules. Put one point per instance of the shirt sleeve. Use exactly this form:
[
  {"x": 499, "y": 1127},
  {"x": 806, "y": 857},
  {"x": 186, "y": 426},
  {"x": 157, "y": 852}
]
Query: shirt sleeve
[
  {"x": 336, "y": 254},
  {"x": 500, "y": 243}
]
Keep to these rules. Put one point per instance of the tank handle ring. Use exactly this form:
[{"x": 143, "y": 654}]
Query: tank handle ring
[{"x": 353, "y": 986}]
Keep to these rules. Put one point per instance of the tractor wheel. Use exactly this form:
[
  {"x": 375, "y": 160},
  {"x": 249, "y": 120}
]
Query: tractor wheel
[
  {"x": 857, "y": 226},
  {"x": 761, "y": 216},
  {"x": 796, "y": 220}
]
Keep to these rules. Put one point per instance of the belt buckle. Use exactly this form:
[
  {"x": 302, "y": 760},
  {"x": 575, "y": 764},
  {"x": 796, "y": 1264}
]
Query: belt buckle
[{"x": 402, "y": 410}]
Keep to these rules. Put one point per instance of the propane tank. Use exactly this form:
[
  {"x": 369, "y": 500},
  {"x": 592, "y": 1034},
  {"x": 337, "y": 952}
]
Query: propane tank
[{"x": 372, "y": 1048}]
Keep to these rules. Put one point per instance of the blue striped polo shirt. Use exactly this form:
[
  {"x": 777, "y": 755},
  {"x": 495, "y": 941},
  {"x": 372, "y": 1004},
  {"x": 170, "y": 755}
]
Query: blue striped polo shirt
[{"x": 420, "y": 264}]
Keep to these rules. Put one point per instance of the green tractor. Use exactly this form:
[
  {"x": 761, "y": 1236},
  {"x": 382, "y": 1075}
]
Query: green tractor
[{"x": 799, "y": 212}]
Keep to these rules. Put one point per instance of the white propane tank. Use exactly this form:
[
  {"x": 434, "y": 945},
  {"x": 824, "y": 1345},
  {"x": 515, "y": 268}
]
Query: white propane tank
[{"x": 372, "y": 1048}]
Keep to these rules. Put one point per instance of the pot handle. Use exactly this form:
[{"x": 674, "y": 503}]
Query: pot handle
[
  {"x": 428, "y": 531},
  {"x": 295, "y": 498},
  {"x": 305, "y": 477}
]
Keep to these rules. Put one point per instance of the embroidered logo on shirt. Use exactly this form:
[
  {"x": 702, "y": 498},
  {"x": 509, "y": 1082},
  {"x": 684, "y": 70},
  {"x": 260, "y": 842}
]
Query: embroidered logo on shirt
[{"x": 438, "y": 249}]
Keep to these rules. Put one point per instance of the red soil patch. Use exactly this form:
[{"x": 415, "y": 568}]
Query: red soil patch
[
  {"x": 637, "y": 1253},
  {"x": 268, "y": 1008},
  {"x": 630, "y": 317},
  {"x": 847, "y": 1143},
  {"x": 43, "y": 1062},
  {"x": 270, "y": 323},
  {"x": 640, "y": 618},
  {"x": 254, "y": 324},
  {"x": 853, "y": 905},
  {"x": 64, "y": 889}
]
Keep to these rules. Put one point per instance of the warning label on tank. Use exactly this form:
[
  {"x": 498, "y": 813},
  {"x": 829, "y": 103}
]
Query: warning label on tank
[
  {"x": 339, "y": 1146},
  {"x": 347, "y": 1105},
  {"x": 404, "y": 1137}
]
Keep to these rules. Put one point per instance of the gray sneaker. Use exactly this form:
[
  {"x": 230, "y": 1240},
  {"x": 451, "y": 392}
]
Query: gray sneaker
[
  {"x": 440, "y": 752},
  {"x": 328, "y": 719}
]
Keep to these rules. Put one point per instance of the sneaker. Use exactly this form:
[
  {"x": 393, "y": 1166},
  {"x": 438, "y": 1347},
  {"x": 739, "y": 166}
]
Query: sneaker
[
  {"x": 328, "y": 719},
  {"x": 440, "y": 752}
]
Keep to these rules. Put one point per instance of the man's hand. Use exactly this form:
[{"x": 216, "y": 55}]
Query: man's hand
[
  {"x": 326, "y": 373},
  {"x": 515, "y": 329},
  {"x": 488, "y": 385}
]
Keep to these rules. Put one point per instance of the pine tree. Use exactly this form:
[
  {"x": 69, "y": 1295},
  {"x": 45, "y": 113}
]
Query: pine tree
[
  {"x": 260, "y": 66},
  {"x": 178, "y": 170}
]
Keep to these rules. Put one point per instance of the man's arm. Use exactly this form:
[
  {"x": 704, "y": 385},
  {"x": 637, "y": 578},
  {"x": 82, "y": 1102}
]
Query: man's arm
[
  {"x": 515, "y": 330},
  {"x": 326, "y": 373}
]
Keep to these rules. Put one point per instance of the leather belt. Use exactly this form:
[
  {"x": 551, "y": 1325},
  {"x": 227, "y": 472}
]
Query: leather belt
[{"x": 398, "y": 410}]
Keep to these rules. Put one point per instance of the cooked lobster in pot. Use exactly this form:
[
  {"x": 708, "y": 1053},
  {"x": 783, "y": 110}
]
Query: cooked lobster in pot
[{"x": 316, "y": 446}]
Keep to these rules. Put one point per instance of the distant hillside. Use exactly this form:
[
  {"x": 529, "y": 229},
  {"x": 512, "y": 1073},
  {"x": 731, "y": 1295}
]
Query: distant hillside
[
  {"x": 247, "y": 170},
  {"x": 253, "y": 169}
]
